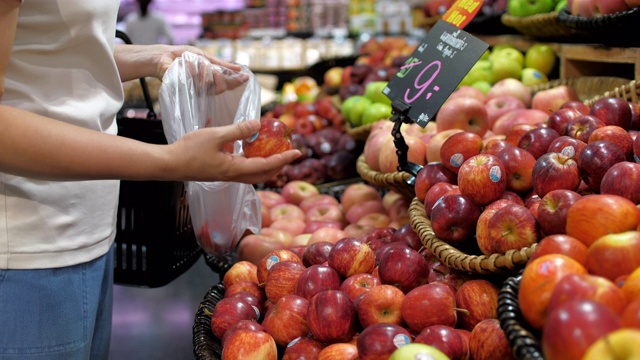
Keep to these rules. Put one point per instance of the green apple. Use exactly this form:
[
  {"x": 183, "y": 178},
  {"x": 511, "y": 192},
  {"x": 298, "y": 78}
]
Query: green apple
[
  {"x": 510, "y": 53},
  {"x": 531, "y": 76},
  {"x": 484, "y": 86},
  {"x": 496, "y": 49},
  {"x": 374, "y": 112},
  {"x": 540, "y": 56},
  {"x": 357, "y": 110},
  {"x": 373, "y": 91},
  {"x": 530, "y": 7},
  {"x": 561, "y": 5},
  {"x": 347, "y": 104},
  {"x": 503, "y": 68},
  {"x": 415, "y": 351},
  {"x": 481, "y": 71},
  {"x": 485, "y": 55}
]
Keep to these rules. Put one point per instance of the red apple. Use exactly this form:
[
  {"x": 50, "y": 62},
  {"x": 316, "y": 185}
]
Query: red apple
[
  {"x": 519, "y": 116},
  {"x": 331, "y": 317},
  {"x": 622, "y": 179},
  {"x": 241, "y": 325},
  {"x": 339, "y": 351},
  {"x": 631, "y": 315},
  {"x": 568, "y": 146},
  {"x": 429, "y": 304},
  {"x": 269, "y": 198},
  {"x": 434, "y": 194},
  {"x": 512, "y": 87},
  {"x": 316, "y": 253},
  {"x": 616, "y": 135},
  {"x": 378, "y": 237},
  {"x": 435, "y": 143},
  {"x": 296, "y": 191},
  {"x": 431, "y": 174},
  {"x": 595, "y": 159},
  {"x": 357, "y": 230},
  {"x": 482, "y": 178},
  {"x": 242, "y": 270},
  {"x": 252, "y": 299},
  {"x": 350, "y": 256},
  {"x": 403, "y": 267},
  {"x": 561, "y": 244},
  {"x": 273, "y": 138},
  {"x": 358, "y": 193},
  {"x": 313, "y": 226},
  {"x": 536, "y": 141},
  {"x": 494, "y": 146},
  {"x": 358, "y": 284},
  {"x": 271, "y": 258},
  {"x": 550, "y": 100},
  {"x": 286, "y": 319},
  {"x": 621, "y": 215},
  {"x": 292, "y": 226},
  {"x": 553, "y": 171},
  {"x": 323, "y": 212},
  {"x": 500, "y": 105},
  {"x": 329, "y": 234},
  {"x": 577, "y": 105},
  {"x": 229, "y": 311},
  {"x": 553, "y": 208},
  {"x": 575, "y": 325},
  {"x": 459, "y": 147},
  {"x": 479, "y": 297},
  {"x": 581, "y": 127},
  {"x": 518, "y": 166},
  {"x": 614, "y": 255},
  {"x": 316, "y": 278},
  {"x": 376, "y": 219},
  {"x": 454, "y": 218},
  {"x": 282, "y": 279},
  {"x": 559, "y": 120},
  {"x": 254, "y": 247},
  {"x": 483, "y": 238},
  {"x": 379, "y": 341},
  {"x": 303, "y": 348},
  {"x": 588, "y": 287},
  {"x": 250, "y": 344},
  {"x": 468, "y": 91},
  {"x": 444, "y": 338},
  {"x": 488, "y": 341},
  {"x": 246, "y": 286},
  {"x": 381, "y": 304},
  {"x": 512, "y": 227},
  {"x": 515, "y": 133},
  {"x": 320, "y": 199},
  {"x": 612, "y": 111},
  {"x": 388, "y": 157},
  {"x": 406, "y": 234},
  {"x": 464, "y": 113},
  {"x": 358, "y": 210}
]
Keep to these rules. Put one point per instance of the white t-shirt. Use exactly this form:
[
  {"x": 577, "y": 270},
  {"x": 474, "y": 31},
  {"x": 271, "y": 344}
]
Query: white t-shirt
[
  {"x": 62, "y": 67},
  {"x": 148, "y": 30}
]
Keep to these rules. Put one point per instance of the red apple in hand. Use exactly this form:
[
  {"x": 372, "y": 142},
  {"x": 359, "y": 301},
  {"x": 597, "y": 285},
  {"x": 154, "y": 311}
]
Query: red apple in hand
[
  {"x": 482, "y": 178},
  {"x": 273, "y": 138},
  {"x": 553, "y": 208}
]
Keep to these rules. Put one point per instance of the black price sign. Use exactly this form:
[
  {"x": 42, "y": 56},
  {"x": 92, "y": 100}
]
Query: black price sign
[{"x": 433, "y": 71}]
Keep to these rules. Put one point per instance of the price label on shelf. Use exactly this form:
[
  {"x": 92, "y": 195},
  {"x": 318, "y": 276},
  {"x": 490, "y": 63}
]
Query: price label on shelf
[{"x": 436, "y": 67}]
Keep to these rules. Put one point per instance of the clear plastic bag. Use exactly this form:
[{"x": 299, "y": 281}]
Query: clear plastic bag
[{"x": 221, "y": 212}]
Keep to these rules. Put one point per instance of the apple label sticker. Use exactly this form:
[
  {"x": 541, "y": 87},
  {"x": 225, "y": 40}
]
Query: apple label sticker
[
  {"x": 456, "y": 160},
  {"x": 495, "y": 174},
  {"x": 401, "y": 340},
  {"x": 272, "y": 260}
]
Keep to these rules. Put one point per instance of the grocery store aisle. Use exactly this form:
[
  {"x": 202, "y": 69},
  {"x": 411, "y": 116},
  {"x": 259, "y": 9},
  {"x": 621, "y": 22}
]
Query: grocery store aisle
[{"x": 156, "y": 323}]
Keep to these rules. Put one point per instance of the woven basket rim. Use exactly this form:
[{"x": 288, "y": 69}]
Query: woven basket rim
[
  {"x": 604, "y": 22},
  {"x": 205, "y": 344},
  {"x": 396, "y": 181},
  {"x": 538, "y": 25},
  {"x": 509, "y": 262}
]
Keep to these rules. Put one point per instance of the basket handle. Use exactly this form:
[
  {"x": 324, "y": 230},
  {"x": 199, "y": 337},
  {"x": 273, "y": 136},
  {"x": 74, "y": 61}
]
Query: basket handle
[{"x": 151, "y": 114}]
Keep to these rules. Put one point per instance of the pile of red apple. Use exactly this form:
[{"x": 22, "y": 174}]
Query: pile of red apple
[
  {"x": 595, "y": 8},
  {"x": 357, "y": 298},
  {"x": 329, "y": 153}
]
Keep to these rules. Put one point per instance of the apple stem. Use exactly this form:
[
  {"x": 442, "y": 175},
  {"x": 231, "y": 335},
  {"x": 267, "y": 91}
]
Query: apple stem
[{"x": 464, "y": 311}]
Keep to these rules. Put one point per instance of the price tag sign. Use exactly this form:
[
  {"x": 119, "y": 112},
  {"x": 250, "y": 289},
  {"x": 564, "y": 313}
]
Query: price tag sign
[{"x": 434, "y": 70}]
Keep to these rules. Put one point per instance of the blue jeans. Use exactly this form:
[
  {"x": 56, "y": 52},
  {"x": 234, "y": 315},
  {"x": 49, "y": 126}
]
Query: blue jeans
[{"x": 62, "y": 313}]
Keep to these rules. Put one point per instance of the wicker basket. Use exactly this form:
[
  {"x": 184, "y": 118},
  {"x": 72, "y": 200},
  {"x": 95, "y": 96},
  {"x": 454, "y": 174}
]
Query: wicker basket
[
  {"x": 207, "y": 346},
  {"x": 539, "y": 26},
  {"x": 359, "y": 132},
  {"x": 507, "y": 263},
  {"x": 396, "y": 181},
  {"x": 523, "y": 340},
  {"x": 588, "y": 87},
  {"x": 612, "y": 30},
  {"x": 629, "y": 92}
]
